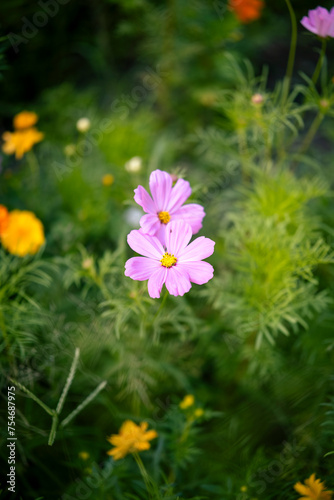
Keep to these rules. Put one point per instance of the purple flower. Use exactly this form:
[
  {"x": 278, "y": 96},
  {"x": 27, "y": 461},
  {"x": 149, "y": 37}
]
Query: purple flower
[
  {"x": 166, "y": 205},
  {"x": 320, "y": 21},
  {"x": 177, "y": 266}
]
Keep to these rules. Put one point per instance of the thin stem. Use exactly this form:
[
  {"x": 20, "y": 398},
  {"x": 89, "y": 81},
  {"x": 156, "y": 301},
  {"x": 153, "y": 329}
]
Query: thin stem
[
  {"x": 320, "y": 61},
  {"x": 311, "y": 133},
  {"x": 292, "y": 52},
  {"x": 53, "y": 430},
  {"x": 68, "y": 381},
  {"x": 143, "y": 471},
  {"x": 89, "y": 398},
  {"x": 32, "y": 395},
  {"x": 161, "y": 306}
]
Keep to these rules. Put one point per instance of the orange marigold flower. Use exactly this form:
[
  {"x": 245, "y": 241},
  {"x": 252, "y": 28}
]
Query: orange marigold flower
[
  {"x": 21, "y": 141},
  {"x": 246, "y": 10},
  {"x": 3, "y": 218},
  {"x": 131, "y": 439},
  {"x": 25, "y": 119},
  {"x": 24, "y": 233},
  {"x": 313, "y": 489}
]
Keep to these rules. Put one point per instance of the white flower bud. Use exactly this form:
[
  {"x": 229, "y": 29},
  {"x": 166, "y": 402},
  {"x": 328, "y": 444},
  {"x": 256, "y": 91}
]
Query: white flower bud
[
  {"x": 134, "y": 165},
  {"x": 83, "y": 124}
]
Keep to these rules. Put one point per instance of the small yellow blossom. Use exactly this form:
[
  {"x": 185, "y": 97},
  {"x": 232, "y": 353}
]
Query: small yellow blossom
[
  {"x": 25, "y": 119},
  {"x": 21, "y": 141},
  {"x": 313, "y": 489},
  {"x": 3, "y": 218},
  {"x": 24, "y": 233},
  {"x": 243, "y": 489},
  {"x": 84, "y": 455},
  {"x": 70, "y": 149},
  {"x": 131, "y": 438},
  {"x": 108, "y": 180},
  {"x": 187, "y": 401},
  {"x": 199, "y": 412}
]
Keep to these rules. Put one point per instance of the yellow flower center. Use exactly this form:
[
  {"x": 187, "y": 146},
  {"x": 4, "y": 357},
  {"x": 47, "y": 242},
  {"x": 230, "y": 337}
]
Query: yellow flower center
[
  {"x": 168, "y": 260},
  {"x": 164, "y": 217}
]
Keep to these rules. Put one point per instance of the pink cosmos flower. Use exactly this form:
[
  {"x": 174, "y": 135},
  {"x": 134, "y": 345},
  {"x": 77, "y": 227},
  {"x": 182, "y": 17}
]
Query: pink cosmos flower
[
  {"x": 177, "y": 266},
  {"x": 320, "y": 22},
  {"x": 166, "y": 205}
]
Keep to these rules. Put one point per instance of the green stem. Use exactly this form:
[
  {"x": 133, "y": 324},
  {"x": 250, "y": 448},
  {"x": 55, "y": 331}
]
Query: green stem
[
  {"x": 68, "y": 381},
  {"x": 161, "y": 306},
  {"x": 292, "y": 52},
  {"x": 32, "y": 395},
  {"x": 143, "y": 471},
  {"x": 89, "y": 398},
  {"x": 311, "y": 133},
  {"x": 320, "y": 61},
  {"x": 53, "y": 430}
]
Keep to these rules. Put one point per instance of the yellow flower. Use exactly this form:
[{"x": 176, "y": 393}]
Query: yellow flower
[
  {"x": 24, "y": 233},
  {"x": 107, "y": 180},
  {"x": 199, "y": 412},
  {"x": 243, "y": 489},
  {"x": 84, "y": 455},
  {"x": 187, "y": 401},
  {"x": 313, "y": 489},
  {"x": 21, "y": 141},
  {"x": 131, "y": 438},
  {"x": 3, "y": 218},
  {"x": 25, "y": 119}
]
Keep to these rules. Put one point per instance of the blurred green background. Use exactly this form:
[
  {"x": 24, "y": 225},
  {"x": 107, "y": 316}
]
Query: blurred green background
[{"x": 167, "y": 81}]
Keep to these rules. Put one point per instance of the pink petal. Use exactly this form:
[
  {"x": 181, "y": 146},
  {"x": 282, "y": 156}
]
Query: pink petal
[
  {"x": 146, "y": 245},
  {"x": 180, "y": 193},
  {"x": 141, "y": 268},
  {"x": 331, "y": 28},
  {"x": 154, "y": 240},
  {"x": 322, "y": 24},
  {"x": 156, "y": 281},
  {"x": 161, "y": 187},
  {"x": 144, "y": 200},
  {"x": 307, "y": 24},
  {"x": 192, "y": 213},
  {"x": 150, "y": 224},
  {"x": 199, "y": 272},
  {"x": 178, "y": 235},
  {"x": 177, "y": 281},
  {"x": 161, "y": 234},
  {"x": 319, "y": 21},
  {"x": 199, "y": 249}
]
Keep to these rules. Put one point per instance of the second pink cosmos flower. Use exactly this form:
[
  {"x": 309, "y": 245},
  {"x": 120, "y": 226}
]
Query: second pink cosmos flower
[{"x": 166, "y": 205}]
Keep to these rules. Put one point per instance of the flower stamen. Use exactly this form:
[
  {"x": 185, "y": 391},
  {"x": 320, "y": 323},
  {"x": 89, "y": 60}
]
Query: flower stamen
[
  {"x": 164, "y": 217},
  {"x": 168, "y": 260}
]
